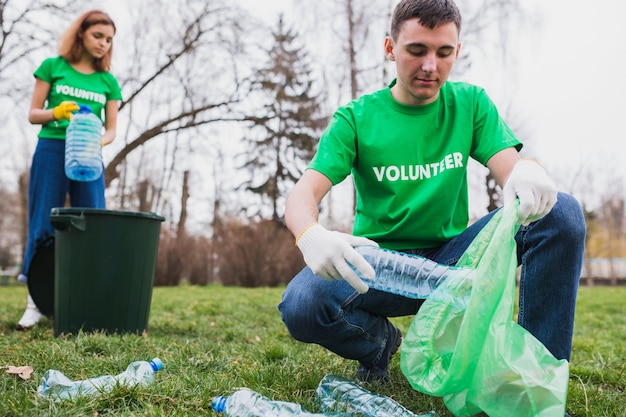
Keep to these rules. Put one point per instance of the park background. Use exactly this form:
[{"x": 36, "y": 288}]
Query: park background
[
  {"x": 224, "y": 103},
  {"x": 198, "y": 137}
]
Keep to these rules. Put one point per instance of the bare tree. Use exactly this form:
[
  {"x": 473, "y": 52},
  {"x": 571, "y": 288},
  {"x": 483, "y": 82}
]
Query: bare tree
[
  {"x": 284, "y": 135},
  {"x": 612, "y": 212},
  {"x": 12, "y": 233},
  {"x": 192, "y": 81},
  {"x": 181, "y": 232},
  {"x": 24, "y": 41}
]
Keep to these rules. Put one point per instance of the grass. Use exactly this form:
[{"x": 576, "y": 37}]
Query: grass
[{"x": 215, "y": 339}]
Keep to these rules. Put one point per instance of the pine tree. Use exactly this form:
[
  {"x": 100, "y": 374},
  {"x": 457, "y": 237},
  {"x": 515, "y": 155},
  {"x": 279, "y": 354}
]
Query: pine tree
[{"x": 283, "y": 138}]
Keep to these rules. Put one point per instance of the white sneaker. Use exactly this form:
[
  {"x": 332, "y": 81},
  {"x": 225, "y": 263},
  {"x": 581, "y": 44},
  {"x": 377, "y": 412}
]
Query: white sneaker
[{"x": 31, "y": 316}]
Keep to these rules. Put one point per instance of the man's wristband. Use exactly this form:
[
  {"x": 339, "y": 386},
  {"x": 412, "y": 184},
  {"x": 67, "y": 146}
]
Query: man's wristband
[
  {"x": 536, "y": 162},
  {"x": 304, "y": 231}
]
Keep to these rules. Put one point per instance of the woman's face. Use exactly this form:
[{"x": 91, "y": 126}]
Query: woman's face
[{"x": 98, "y": 39}]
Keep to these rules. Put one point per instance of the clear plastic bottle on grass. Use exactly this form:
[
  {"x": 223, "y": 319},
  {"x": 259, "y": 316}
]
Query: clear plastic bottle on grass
[
  {"x": 340, "y": 394},
  {"x": 248, "y": 403},
  {"x": 83, "y": 146},
  {"x": 404, "y": 274},
  {"x": 56, "y": 386}
]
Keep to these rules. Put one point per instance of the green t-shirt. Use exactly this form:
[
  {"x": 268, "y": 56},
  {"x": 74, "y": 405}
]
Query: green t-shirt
[
  {"x": 409, "y": 163},
  {"x": 67, "y": 84}
]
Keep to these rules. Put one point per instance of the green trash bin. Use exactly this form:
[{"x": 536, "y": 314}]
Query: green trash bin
[{"x": 104, "y": 269}]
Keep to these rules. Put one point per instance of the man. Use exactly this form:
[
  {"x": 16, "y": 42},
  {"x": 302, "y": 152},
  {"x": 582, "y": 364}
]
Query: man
[{"x": 407, "y": 148}]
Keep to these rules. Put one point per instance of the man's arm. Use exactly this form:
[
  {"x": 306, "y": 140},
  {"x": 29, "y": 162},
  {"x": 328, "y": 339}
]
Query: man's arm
[
  {"x": 329, "y": 254},
  {"x": 302, "y": 207},
  {"x": 501, "y": 164}
]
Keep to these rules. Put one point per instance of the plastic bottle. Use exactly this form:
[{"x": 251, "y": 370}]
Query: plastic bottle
[
  {"x": 247, "y": 403},
  {"x": 337, "y": 393},
  {"x": 404, "y": 274},
  {"x": 83, "y": 146},
  {"x": 56, "y": 386}
]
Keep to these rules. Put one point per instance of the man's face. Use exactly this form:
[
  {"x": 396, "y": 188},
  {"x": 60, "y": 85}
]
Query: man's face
[{"x": 424, "y": 58}]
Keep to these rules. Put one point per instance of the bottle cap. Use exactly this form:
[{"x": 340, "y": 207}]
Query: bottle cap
[
  {"x": 84, "y": 108},
  {"x": 156, "y": 364},
  {"x": 218, "y": 404}
]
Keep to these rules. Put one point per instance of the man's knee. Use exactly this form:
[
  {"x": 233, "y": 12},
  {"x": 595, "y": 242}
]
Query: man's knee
[
  {"x": 567, "y": 213},
  {"x": 296, "y": 308}
]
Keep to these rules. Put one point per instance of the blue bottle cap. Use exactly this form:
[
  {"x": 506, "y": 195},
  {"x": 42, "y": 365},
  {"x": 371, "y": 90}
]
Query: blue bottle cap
[
  {"x": 84, "y": 108},
  {"x": 156, "y": 364},
  {"x": 218, "y": 404}
]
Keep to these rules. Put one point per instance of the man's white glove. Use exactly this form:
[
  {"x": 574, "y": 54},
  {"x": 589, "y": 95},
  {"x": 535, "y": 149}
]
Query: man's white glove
[
  {"x": 536, "y": 191},
  {"x": 327, "y": 253}
]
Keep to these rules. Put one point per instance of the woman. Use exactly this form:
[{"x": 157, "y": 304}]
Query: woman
[{"x": 79, "y": 75}]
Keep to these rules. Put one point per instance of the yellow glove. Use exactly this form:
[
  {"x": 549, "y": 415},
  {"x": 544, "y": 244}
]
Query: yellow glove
[{"x": 64, "y": 110}]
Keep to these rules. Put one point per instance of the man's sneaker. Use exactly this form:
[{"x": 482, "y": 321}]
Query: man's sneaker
[
  {"x": 379, "y": 372},
  {"x": 31, "y": 316}
]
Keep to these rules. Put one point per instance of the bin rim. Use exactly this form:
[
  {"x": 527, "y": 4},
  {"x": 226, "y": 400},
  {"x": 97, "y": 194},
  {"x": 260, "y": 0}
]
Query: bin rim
[{"x": 59, "y": 211}]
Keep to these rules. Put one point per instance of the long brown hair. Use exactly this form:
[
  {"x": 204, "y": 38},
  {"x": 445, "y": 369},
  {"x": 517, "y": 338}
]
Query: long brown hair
[{"x": 71, "y": 42}]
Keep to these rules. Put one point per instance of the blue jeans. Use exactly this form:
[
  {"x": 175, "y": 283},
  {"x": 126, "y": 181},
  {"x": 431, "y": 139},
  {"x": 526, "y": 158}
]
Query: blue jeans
[
  {"x": 48, "y": 187},
  {"x": 550, "y": 252}
]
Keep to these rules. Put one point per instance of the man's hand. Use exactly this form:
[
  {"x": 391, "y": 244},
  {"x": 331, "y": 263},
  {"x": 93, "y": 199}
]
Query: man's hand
[
  {"x": 64, "y": 110},
  {"x": 536, "y": 191},
  {"x": 327, "y": 253}
]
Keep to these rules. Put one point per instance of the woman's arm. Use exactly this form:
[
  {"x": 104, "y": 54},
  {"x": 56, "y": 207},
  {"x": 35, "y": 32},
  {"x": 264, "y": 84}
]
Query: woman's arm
[
  {"x": 37, "y": 115},
  {"x": 110, "y": 122}
]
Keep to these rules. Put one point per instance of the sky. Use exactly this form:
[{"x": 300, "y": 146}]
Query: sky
[{"x": 574, "y": 81}]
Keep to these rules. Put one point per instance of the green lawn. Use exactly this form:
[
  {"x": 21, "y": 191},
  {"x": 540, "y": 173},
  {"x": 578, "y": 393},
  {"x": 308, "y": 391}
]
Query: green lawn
[{"x": 215, "y": 339}]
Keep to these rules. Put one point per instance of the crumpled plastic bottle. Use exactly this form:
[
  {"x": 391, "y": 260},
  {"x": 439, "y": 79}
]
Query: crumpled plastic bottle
[
  {"x": 56, "y": 386},
  {"x": 338, "y": 393},
  {"x": 404, "y": 274},
  {"x": 248, "y": 403}
]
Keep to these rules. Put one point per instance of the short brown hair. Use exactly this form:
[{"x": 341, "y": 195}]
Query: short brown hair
[
  {"x": 71, "y": 44},
  {"x": 431, "y": 13}
]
